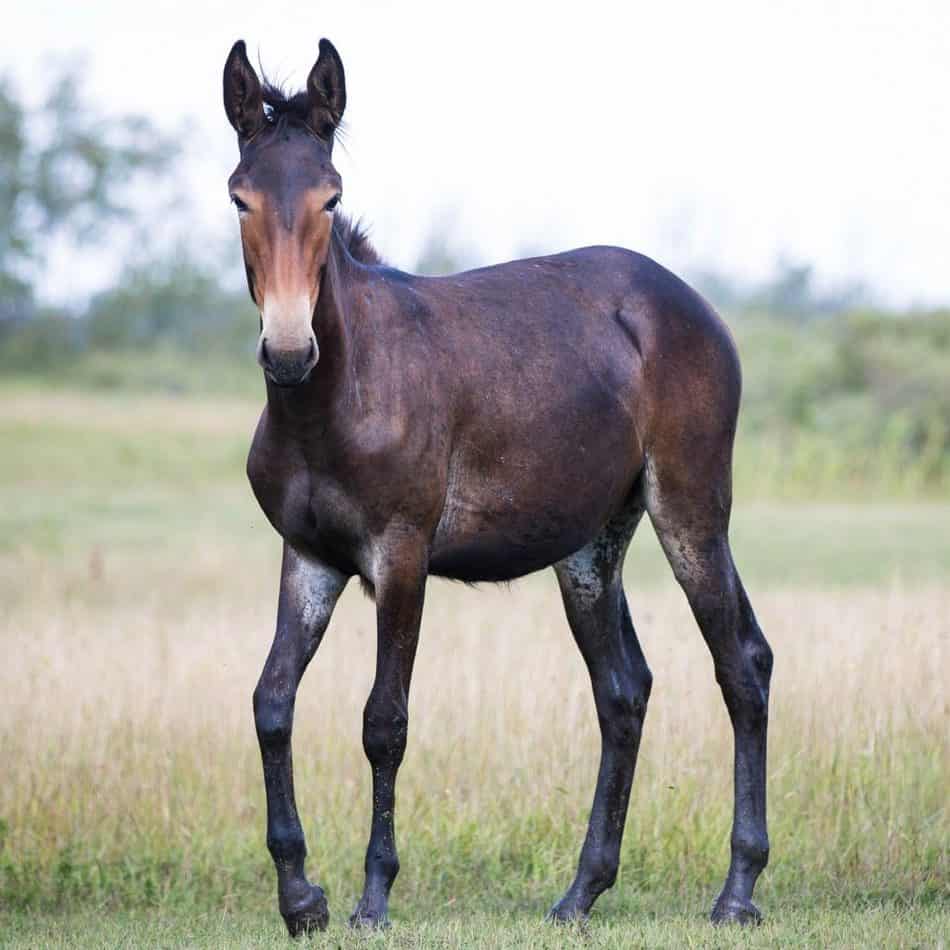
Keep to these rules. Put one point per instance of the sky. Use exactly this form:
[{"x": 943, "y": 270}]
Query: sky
[{"x": 724, "y": 135}]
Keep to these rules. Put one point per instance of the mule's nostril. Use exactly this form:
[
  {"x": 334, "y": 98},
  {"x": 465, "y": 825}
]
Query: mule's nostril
[
  {"x": 312, "y": 352},
  {"x": 263, "y": 355}
]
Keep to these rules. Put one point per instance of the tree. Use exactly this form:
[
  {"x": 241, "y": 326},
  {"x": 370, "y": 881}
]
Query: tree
[{"x": 65, "y": 169}]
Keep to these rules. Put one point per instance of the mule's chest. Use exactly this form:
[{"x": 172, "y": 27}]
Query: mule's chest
[{"x": 309, "y": 508}]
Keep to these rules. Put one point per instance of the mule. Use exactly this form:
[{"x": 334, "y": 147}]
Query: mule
[{"x": 479, "y": 427}]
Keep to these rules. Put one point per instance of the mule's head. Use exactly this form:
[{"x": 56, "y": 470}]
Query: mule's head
[{"x": 285, "y": 189}]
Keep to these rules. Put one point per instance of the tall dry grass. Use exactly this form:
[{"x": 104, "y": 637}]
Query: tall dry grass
[{"x": 131, "y": 773}]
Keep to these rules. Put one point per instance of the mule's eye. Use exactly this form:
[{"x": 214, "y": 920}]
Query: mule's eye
[
  {"x": 332, "y": 203},
  {"x": 240, "y": 205}
]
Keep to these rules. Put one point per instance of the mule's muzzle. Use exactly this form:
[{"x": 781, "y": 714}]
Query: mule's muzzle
[{"x": 287, "y": 367}]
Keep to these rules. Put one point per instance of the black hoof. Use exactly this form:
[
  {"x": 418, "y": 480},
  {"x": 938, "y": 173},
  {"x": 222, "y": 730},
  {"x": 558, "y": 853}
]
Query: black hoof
[
  {"x": 368, "y": 921},
  {"x": 308, "y": 915},
  {"x": 732, "y": 910},
  {"x": 566, "y": 911}
]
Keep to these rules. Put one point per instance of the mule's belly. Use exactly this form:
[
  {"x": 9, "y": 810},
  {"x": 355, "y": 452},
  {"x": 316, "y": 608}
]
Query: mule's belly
[
  {"x": 499, "y": 555},
  {"x": 532, "y": 508}
]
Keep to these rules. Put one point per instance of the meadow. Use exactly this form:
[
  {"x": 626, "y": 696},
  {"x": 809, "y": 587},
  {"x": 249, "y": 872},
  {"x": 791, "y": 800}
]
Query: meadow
[{"x": 138, "y": 583}]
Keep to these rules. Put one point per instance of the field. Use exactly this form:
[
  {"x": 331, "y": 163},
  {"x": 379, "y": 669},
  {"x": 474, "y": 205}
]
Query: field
[{"x": 138, "y": 585}]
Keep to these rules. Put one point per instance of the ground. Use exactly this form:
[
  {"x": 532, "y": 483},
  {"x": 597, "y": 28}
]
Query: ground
[{"x": 138, "y": 581}]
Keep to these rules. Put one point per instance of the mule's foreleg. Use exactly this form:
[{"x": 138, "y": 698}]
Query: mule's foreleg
[
  {"x": 400, "y": 590},
  {"x": 308, "y": 594}
]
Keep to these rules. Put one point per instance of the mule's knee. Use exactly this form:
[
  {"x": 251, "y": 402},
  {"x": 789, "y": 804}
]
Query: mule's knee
[
  {"x": 273, "y": 717},
  {"x": 286, "y": 844},
  {"x": 384, "y": 737}
]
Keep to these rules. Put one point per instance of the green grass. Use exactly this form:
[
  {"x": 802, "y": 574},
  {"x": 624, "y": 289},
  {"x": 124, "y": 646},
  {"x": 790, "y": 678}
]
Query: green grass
[{"x": 811, "y": 924}]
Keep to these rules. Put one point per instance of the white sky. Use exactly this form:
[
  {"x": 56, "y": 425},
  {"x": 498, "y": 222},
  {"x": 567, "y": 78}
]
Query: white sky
[{"x": 718, "y": 134}]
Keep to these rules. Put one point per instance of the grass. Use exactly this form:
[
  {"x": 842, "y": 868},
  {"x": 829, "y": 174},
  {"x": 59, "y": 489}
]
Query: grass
[
  {"x": 138, "y": 583},
  {"x": 793, "y": 926}
]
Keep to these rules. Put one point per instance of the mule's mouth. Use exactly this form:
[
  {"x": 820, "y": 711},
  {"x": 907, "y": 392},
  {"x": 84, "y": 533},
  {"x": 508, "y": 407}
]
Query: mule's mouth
[{"x": 283, "y": 382}]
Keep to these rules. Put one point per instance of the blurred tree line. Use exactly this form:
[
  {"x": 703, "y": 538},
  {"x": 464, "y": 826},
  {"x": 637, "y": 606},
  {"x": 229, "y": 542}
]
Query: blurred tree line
[
  {"x": 64, "y": 169},
  {"x": 833, "y": 388},
  {"x": 71, "y": 175}
]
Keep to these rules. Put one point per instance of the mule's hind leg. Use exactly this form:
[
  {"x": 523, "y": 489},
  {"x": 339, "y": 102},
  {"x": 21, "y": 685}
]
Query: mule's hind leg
[
  {"x": 590, "y": 582},
  {"x": 691, "y": 517}
]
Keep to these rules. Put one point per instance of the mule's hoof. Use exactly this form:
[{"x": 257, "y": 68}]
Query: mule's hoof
[
  {"x": 732, "y": 910},
  {"x": 308, "y": 915},
  {"x": 566, "y": 911},
  {"x": 366, "y": 921}
]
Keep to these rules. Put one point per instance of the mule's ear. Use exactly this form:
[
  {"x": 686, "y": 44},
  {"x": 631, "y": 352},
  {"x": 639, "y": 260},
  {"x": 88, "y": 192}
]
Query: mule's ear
[
  {"x": 242, "y": 93},
  {"x": 326, "y": 87}
]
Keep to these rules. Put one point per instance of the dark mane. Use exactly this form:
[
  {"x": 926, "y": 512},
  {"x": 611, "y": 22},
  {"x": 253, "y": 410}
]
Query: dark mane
[
  {"x": 278, "y": 104},
  {"x": 355, "y": 239},
  {"x": 281, "y": 106}
]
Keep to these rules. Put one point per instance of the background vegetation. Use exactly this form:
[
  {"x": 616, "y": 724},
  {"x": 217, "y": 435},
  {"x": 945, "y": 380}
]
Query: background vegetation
[{"x": 137, "y": 579}]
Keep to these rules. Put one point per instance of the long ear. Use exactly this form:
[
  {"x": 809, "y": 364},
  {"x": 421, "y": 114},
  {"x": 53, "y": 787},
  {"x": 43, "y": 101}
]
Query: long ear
[
  {"x": 242, "y": 93},
  {"x": 326, "y": 87}
]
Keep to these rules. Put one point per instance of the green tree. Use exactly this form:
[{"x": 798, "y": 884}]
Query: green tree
[
  {"x": 65, "y": 172},
  {"x": 14, "y": 242}
]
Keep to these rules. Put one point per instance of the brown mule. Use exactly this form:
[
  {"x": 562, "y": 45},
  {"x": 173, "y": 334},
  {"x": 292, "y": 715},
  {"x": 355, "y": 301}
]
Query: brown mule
[{"x": 480, "y": 427}]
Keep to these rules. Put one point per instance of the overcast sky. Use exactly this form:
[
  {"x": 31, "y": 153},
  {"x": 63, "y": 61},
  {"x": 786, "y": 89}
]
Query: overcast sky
[{"x": 706, "y": 134}]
